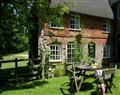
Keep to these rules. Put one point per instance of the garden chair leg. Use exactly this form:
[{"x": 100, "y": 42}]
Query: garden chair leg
[{"x": 78, "y": 83}]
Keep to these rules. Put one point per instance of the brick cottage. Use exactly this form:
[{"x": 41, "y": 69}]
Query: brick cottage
[{"x": 93, "y": 19}]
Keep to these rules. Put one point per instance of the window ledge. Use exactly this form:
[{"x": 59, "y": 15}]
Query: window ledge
[
  {"x": 106, "y": 32},
  {"x": 55, "y": 60},
  {"x": 75, "y": 29},
  {"x": 59, "y": 28}
]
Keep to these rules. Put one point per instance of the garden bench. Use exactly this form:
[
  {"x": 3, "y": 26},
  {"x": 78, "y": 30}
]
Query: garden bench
[{"x": 106, "y": 78}]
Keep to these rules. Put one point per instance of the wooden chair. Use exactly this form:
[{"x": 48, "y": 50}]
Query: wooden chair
[
  {"x": 75, "y": 80},
  {"x": 108, "y": 76},
  {"x": 106, "y": 79}
]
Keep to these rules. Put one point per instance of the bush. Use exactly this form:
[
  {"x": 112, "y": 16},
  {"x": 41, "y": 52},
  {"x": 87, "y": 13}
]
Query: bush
[{"x": 59, "y": 70}]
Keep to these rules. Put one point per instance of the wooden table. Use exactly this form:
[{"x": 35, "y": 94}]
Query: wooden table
[
  {"x": 107, "y": 75},
  {"x": 81, "y": 74}
]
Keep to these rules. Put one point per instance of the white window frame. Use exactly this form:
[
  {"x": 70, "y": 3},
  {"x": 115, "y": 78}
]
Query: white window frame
[
  {"x": 107, "y": 26},
  {"x": 71, "y": 48},
  {"x": 57, "y": 53},
  {"x": 107, "y": 50},
  {"x": 74, "y": 22},
  {"x": 55, "y": 24}
]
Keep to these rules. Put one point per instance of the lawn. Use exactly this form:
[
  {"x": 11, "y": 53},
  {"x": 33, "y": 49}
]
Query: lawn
[
  {"x": 56, "y": 86},
  {"x": 52, "y": 86},
  {"x": 16, "y": 55}
]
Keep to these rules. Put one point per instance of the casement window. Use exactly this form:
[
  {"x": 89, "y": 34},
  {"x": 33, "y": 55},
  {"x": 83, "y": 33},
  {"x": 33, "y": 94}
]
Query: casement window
[
  {"x": 70, "y": 52},
  {"x": 106, "y": 51},
  {"x": 107, "y": 26},
  {"x": 91, "y": 49},
  {"x": 75, "y": 22},
  {"x": 56, "y": 23},
  {"x": 56, "y": 52}
]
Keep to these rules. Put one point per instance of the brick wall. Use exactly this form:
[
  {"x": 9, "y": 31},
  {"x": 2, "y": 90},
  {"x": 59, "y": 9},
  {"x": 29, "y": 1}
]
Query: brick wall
[{"x": 91, "y": 32}]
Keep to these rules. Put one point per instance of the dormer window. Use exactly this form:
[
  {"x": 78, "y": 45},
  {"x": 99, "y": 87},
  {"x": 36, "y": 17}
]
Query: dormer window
[
  {"x": 56, "y": 22},
  {"x": 106, "y": 26},
  {"x": 75, "y": 22}
]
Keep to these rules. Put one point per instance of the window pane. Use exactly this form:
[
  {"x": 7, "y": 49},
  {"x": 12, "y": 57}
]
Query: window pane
[
  {"x": 106, "y": 51},
  {"x": 70, "y": 50},
  {"x": 106, "y": 26},
  {"x": 55, "y": 52},
  {"x": 75, "y": 22}
]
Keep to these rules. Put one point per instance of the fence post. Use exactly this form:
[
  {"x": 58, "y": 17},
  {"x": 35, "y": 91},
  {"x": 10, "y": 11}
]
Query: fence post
[
  {"x": 0, "y": 64},
  {"x": 16, "y": 70}
]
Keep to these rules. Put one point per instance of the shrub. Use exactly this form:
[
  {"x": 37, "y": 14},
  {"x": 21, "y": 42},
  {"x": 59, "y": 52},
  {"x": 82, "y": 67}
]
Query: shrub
[{"x": 59, "y": 70}]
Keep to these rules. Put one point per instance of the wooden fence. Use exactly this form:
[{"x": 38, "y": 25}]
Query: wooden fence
[{"x": 17, "y": 75}]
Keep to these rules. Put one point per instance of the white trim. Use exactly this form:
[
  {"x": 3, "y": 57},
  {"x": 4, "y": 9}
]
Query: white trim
[
  {"x": 57, "y": 28},
  {"x": 60, "y": 55},
  {"x": 55, "y": 60},
  {"x": 107, "y": 26},
  {"x": 69, "y": 43},
  {"x": 76, "y": 18},
  {"x": 75, "y": 29}
]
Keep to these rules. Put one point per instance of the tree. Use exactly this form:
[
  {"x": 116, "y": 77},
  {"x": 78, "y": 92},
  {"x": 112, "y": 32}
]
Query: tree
[
  {"x": 25, "y": 17},
  {"x": 13, "y": 26},
  {"x": 42, "y": 13}
]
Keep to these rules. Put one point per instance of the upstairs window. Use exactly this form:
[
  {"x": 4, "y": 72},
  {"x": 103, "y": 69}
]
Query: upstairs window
[
  {"x": 106, "y": 26},
  {"x": 56, "y": 22},
  {"x": 106, "y": 51},
  {"x": 55, "y": 52},
  {"x": 75, "y": 22}
]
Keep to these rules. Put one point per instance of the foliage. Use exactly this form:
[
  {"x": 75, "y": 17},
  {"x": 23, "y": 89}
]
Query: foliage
[
  {"x": 78, "y": 49},
  {"x": 79, "y": 55},
  {"x": 88, "y": 60},
  {"x": 42, "y": 13},
  {"x": 59, "y": 70},
  {"x": 13, "y": 26},
  {"x": 50, "y": 34}
]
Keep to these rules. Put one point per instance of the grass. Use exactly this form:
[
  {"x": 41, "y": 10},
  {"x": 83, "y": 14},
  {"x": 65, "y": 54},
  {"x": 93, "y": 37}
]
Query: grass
[
  {"x": 53, "y": 86},
  {"x": 57, "y": 86},
  {"x": 22, "y": 55},
  {"x": 16, "y": 55}
]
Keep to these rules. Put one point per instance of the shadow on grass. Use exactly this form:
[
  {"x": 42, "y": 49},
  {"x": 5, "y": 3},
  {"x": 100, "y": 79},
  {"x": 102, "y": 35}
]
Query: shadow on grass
[
  {"x": 26, "y": 85},
  {"x": 71, "y": 90},
  {"x": 94, "y": 93},
  {"x": 86, "y": 86},
  {"x": 64, "y": 89}
]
